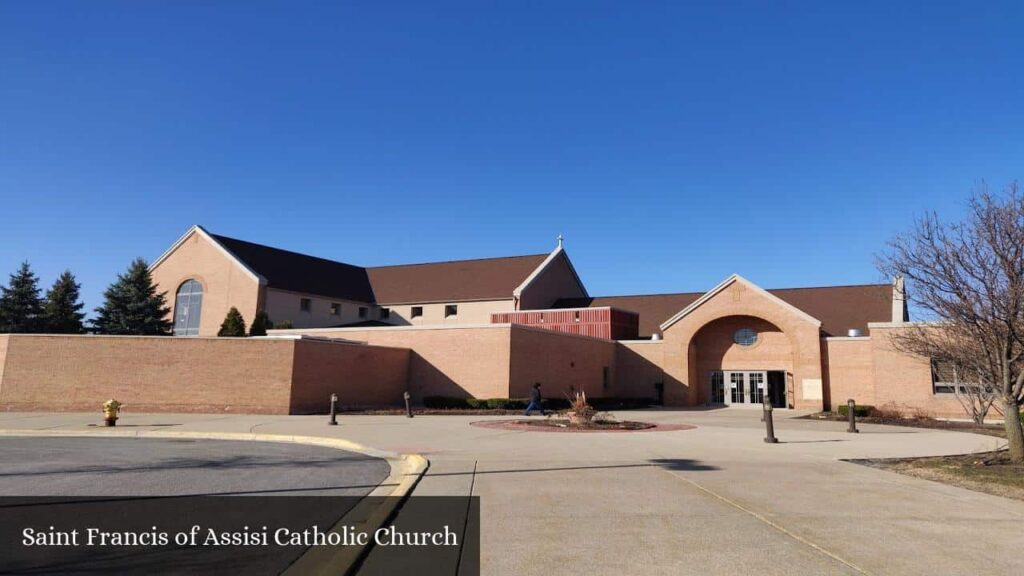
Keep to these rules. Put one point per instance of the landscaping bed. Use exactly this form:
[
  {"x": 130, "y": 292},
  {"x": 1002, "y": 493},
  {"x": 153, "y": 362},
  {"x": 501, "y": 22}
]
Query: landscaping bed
[
  {"x": 988, "y": 472},
  {"x": 917, "y": 422},
  {"x": 556, "y": 424}
]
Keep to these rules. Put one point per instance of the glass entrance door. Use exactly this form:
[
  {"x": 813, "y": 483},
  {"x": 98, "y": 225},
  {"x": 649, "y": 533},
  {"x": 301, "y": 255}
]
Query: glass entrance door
[{"x": 741, "y": 387}]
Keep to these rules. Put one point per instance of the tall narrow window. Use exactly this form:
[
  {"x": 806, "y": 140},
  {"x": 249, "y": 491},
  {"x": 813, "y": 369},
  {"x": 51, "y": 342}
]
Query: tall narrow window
[
  {"x": 188, "y": 308},
  {"x": 363, "y": 311}
]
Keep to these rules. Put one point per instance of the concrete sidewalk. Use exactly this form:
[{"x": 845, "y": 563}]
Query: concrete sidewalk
[{"x": 712, "y": 500}]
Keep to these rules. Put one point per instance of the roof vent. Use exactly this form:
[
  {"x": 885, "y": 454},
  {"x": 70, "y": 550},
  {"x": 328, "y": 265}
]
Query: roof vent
[{"x": 853, "y": 333}]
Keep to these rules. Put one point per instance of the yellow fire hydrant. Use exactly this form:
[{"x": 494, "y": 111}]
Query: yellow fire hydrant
[{"x": 110, "y": 409}]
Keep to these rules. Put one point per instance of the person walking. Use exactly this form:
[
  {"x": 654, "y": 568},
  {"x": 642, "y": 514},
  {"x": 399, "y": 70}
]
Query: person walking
[{"x": 536, "y": 401}]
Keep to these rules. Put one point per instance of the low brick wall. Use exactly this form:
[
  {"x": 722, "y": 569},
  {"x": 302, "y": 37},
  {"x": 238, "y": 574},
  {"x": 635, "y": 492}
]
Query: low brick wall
[
  {"x": 560, "y": 362},
  {"x": 211, "y": 375},
  {"x": 360, "y": 375}
]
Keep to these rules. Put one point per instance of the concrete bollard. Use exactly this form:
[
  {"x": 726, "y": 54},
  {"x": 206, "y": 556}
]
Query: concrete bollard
[
  {"x": 334, "y": 411},
  {"x": 852, "y": 415},
  {"x": 769, "y": 426},
  {"x": 408, "y": 407}
]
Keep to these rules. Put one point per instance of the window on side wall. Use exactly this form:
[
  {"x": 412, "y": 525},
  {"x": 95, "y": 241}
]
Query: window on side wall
[
  {"x": 385, "y": 313},
  {"x": 451, "y": 310},
  {"x": 305, "y": 304},
  {"x": 948, "y": 378},
  {"x": 335, "y": 309},
  {"x": 363, "y": 311},
  {"x": 416, "y": 312}
]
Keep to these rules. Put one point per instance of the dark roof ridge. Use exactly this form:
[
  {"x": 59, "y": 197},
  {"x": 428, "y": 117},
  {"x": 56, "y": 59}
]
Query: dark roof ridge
[
  {"x": 706, "y": 291},
  {"x": 304, "y": 255},
  {"x": 456, "y": 261}
]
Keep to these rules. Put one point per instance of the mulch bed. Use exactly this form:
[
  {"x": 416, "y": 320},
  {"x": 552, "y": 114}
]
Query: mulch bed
[
  {"x": 996, "y": 430},
  {"x": 989, "y": 472},
  {"x": 561, "y": 425}
]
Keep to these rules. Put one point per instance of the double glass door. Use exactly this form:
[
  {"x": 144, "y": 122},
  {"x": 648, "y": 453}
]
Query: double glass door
[{"x": 738, "y": 387}]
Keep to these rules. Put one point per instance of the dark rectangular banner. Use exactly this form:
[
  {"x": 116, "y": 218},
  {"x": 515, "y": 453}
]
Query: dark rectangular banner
[{"x": 240, "y": 534}]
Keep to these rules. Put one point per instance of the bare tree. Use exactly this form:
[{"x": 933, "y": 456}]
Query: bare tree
[{"x": 968, "y": 277}]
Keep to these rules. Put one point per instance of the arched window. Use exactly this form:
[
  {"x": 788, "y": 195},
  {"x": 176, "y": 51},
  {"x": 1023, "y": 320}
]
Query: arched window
[{"x": 188, "y": 307}]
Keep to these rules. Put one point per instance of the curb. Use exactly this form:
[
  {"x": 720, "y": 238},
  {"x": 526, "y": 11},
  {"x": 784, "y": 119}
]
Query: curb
[{"x": 406, "y": 471}]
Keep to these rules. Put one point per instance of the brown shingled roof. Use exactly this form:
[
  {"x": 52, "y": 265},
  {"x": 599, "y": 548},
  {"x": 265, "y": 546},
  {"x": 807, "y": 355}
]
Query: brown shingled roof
[
  {"x": 838, "y": 307},
  {"x": 455, "y": 281},
  {"x": 296, "y": 272},
  {"x": 484, "y": 279}
]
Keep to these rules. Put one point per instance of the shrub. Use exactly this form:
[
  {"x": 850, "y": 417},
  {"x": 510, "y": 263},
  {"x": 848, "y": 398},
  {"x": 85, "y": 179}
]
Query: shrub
[
  {"x": 233, "y": 325},
  {"x": 283, "y": 325},
  {"x": 860, "y": 410},
  {"x": 888, "y": 410},
  {"x": 260, "y": 323}
]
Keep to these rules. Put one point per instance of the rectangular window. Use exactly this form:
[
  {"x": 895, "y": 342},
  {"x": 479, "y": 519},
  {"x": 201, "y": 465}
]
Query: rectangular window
[
  {"x": 335, "y": 309},
  {"x": 305, "y": 304},
  {"x": 363, "y": 311},
  {"x": 385, "y": 313},
  {"x": 416, "y": 312},
  {"x": 451, "y": 310}
]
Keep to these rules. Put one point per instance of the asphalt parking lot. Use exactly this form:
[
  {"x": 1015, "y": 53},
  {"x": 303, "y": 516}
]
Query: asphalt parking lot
[{"x": 71, "y": 466}]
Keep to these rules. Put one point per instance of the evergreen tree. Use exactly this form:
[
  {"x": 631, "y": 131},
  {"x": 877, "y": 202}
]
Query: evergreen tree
[
  {"x": 21, "y": 309},
  {"x": 63, "y": 309},
  {"x": 233, "y": 325},
  {"x": 260, "y": 324},
  {"x": 132, "y": 305}
]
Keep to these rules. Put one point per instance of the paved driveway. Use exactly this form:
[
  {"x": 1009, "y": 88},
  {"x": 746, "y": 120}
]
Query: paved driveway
[
  {"x": 712, "y": 500},
  {"x": 165, "y": 467}
]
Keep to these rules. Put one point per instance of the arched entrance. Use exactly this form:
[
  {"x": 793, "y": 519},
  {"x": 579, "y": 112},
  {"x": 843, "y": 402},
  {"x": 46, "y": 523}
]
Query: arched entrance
[{"x": 741, "y": 361}]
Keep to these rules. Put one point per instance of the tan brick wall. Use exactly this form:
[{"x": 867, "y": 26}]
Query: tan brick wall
[
  {"x": 683, "y": 380},
  {"x": 638, "y": 367},
  {"x": 147, "y": 374},
  {"x": 360, "y": 375},
  {"x": 283, "y": 305},
  {"x": 225, "y": 283},
  {"x": 463, "y": 362},
  {"x": 849, "y": 371},
  {"x": 905, "y": 381},
  {"x": 4, "y": 339},
  {"x": 556, "y": 281},
  {"x": 470, "y": 313},
  {"x": 560, "y": 362}
]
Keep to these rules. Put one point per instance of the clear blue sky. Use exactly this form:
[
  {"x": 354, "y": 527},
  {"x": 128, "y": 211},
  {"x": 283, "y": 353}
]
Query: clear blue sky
[{"x": 671, "y": 143}]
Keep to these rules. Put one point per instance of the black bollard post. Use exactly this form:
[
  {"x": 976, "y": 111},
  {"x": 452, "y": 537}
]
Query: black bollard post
[
  {"x": 769, "y": 426},
  {"x": 334, "y": 411},
  {"x": 408, "y": 407},
  {"x": 850, "y": 405}
]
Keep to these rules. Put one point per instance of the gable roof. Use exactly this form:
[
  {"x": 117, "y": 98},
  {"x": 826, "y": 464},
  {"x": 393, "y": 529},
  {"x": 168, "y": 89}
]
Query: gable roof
[
  {"x": 838, "y": 307},
  {"x": 459, "y": 280},
  {"x": 285, "y": 270},
  {"x": 453, "y": 281}
]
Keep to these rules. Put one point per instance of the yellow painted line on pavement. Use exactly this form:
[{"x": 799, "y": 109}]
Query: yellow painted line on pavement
[{"x": 768, "y": 521}]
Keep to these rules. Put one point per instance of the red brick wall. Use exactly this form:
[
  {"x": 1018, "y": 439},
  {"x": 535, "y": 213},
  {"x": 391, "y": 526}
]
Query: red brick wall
[
  {"x": 147, "y": 374},
  {"x": 360, "y": 375},
  {"x": 848, "y": 371},
  {"x": 638, "y": 367},
  {"x": 462, "y": 362},
  {"x": 905, "y": 381},
  {"x": 560, "y": 362}
]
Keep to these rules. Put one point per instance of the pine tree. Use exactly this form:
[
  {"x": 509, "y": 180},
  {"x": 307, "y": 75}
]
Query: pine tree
[
  {"x": 260, "y": 324},
  {"x": 233, "y": 325},
  {"x": 132, "y": 305},
  {"x": 21, "y": 308},
  {"x": 62, "y": 310}
]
